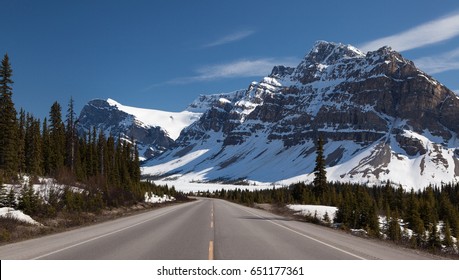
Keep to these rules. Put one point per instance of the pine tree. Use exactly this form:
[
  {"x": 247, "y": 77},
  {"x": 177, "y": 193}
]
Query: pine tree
[
  {"x": 447, "y": 240},
  {"x": 8, "y": 126},
  {"x": 434, "y": 237},
  {"x": 428, "y": 209},
  {"x": 71, "y": 136},
  {"x": 46, "y": 148},
  {"x": 413, "y": 218},
  {"x": 21, "y": 141},
  {"x": 11, "y": 199},
  {"x": 56, "y": 138},
  {"x": 393, "y": 231},
  {"x": 320, "y": 174},
  {"x": 33, "y": 147}
]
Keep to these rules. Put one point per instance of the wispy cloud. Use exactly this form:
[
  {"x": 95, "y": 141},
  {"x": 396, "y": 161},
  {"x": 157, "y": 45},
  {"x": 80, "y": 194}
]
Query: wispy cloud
[
  {"x": 439, "y": 63},
  {"x": 425, "y": 34},
  {"x": 233, "y": 37},
  {"x": 236, "y": 69}
]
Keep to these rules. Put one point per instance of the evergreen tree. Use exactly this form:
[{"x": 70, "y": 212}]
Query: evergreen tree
[
  {"x": 8, "y": 121},
  {"x": 3, "y": 196},
  {"x": 393, "y": 230},
  {"x": 33, "y": 147},
  {"x": 46, "y": 148},
  {"x": 447, "y": 240},
  {"x": 428, "y": 209},
  {"x": 434, "y": 237},
  {"x": 71, "y": 136},
  {"x": 320, "y": 174},
  {"x": 11, "y": 199},
  {"x": 56, "y": 138},
  {"x": 413, "y": 218},
  {"x": 29, "y": 200},
  {"x": 21, "y": 141}
]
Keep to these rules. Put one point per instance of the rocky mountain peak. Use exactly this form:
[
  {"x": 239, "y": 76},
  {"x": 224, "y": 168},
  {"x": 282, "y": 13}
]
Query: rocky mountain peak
[
  {"x": 380, "y": 116},
  {"x": 329, "y": 53}
]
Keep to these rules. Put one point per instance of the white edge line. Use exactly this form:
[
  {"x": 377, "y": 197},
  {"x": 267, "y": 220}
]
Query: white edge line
[
  {"x": 307, "y": 236},
  {"x": 103, "y": 235}
]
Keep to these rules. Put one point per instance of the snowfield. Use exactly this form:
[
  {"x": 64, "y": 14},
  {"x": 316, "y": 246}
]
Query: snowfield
[{"x": 172, "y": 122}]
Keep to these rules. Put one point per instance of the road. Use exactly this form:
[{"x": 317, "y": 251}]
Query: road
[{"x": 204, "y": 229}]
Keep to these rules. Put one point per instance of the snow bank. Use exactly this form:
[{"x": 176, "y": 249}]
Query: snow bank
[
  {"x": 311, "y": 210},
  {"x": 153, "y": 198},
  {"x": 11, "y": 213}
]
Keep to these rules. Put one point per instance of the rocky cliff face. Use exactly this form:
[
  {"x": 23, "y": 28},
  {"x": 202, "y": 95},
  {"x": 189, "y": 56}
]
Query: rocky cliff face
[
  {"x": 381, "y": 117},
  {"x": 107, "y": 117}
]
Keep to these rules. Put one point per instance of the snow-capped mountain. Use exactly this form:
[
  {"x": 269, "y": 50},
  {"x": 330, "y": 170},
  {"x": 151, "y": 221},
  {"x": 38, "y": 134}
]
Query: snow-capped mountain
[
  {"x": 154, "y": 131},
  {"x": 381, "y": 119}
]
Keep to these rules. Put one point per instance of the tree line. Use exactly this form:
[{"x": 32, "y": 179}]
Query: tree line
[
  {"x": 105, "y": 168},
  {"x": 361, "y": 206},
  {"x": 426, "y": 213}
]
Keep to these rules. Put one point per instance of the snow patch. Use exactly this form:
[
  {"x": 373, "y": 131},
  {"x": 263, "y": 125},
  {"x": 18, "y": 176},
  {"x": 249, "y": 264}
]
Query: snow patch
[
  {"x": 314, "y": 210},
  {"x": 12, "y": 213},
  {"x": 153, "y": 198}
]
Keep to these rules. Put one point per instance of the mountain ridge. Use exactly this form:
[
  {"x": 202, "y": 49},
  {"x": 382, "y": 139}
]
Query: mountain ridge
[{"x": 380, "y": 116}]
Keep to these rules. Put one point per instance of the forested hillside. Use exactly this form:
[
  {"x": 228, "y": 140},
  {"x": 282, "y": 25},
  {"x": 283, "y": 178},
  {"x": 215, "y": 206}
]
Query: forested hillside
[{"x": 93, "y": 171}]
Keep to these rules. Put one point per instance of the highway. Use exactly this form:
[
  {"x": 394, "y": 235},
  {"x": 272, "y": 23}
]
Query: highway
[{"x": 205, "y": 229}]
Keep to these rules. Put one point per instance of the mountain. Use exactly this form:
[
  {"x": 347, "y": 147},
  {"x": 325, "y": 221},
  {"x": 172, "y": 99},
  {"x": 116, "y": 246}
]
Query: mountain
[
  {"x": 154, "y": 131},
  {"x": 381, "y": 119}
]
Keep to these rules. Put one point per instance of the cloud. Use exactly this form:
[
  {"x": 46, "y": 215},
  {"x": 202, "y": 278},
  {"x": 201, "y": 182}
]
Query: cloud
[
  {"x": 233, "y": 37},
  {"x": 425, "y": 34},
  {"x": 439, "y": 63},
  {"x": 236, "y": 69}
]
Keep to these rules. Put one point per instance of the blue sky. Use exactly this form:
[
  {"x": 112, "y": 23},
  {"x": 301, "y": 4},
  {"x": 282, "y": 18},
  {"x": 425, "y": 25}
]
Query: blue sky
[{"x": 163, "y": 54}]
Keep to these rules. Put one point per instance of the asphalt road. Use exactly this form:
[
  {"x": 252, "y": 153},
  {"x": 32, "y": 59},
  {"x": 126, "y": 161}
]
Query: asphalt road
[{"x": 205, "y": 229}]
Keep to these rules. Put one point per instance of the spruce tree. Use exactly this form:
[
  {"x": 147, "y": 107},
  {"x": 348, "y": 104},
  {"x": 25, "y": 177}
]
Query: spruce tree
[
  {"x": 447, "y": 240},
  {"x": 413, "y": 218},
  {"x": 434, "y": 237},
  {"x": 8, "y": 121},
  {"x": 320, "y": 174},
  {"x": 56, "y": 138},
  {"x": 11, "y": 199},
  {"x": 21, "y": 129},
  {"x": 393, "y": 231},
  {"x": 71, "y": 136},
  {"x": 46, "y": 148}
]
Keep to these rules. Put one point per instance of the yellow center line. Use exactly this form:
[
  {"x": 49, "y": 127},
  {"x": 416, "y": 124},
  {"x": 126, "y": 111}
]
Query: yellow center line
[
  {"x": 211, "y": 250},
  {"x": 211, "y": 242}
]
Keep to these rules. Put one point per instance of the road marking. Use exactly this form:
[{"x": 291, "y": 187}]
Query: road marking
[
  {"x": 104, "y": 235},
  {"x": 305, "y": 235},
  {"x": 211, "y": 250},
  {"x": 212, "y": 216}
]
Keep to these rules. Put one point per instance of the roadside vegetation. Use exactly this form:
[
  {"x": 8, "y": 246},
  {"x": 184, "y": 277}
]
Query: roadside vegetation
[{"x": 60, "y": 178}]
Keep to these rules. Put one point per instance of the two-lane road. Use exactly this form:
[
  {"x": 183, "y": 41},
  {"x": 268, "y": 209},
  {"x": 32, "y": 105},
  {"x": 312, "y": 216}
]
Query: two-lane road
[{"x": 204, "y": 229}]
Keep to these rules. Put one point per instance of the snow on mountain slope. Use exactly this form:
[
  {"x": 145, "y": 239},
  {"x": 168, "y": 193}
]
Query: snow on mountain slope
[
  {"x": 171, "y": 122},
  {"x": 381, "y": 119},
  {"x": 153, "y": 130}
]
